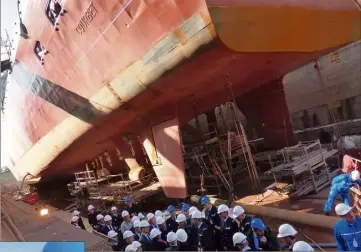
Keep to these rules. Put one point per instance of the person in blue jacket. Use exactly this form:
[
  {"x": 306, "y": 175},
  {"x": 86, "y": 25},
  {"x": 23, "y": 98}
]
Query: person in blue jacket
[
  {"x": 347, "y": 230},
  {"x": 340, "y": 186}
]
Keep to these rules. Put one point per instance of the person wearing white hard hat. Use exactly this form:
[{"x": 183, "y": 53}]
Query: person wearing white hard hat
[
  {"x": 135, "y": 218},
  {"x": 182, "y": 238},
  {"x": 145, "y": 238},
  {"x": 172, "y": 241},
  {"x": 80, "y": 221},
  {"x": 92, "y": 217},
  {"x": 241, "y": 222},
  {"x": 162, "y": 227},
  {"x": 127, "y": 222},
  {"x": 286, "y": 236},
  {"x": 116, "y": 219},
  {"x": 102, "y": 228},
  {"x": 192, "y": 209},
  {"x": 114, "y": 241},
  {"x": 182, "y": 221},
  {"x": 136, "y": 229},
  {"x": 240, "y": 242},
  {"x": 205, "y": 231},
  {"x": 225, "y": 227},
  {"x": 128, "y": 237},
  {"x": 108, "y": 222},
  {"x": 158, "y": 213},
  {"x": 74, "y": 221},
  {"x": 152, "y": 221},
  {"x": 191, "y": 231},
  {"x": 347, "y": 231},
  {"x": 158, "y": 244},
  {"x": 130, "y": 248},
  {"x": 302, "y": 246},
  {"x": 340, "y": 186},
  {"x": 141, "y": 216},
  {"x": 137, "y": 246}
]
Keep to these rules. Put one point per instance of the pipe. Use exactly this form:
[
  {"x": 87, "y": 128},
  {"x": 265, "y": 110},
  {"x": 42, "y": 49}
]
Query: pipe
[
  {"x": 315, "y": 220},
  {"x": 11, "y": 225},
  {"x": 323, "y": 245}
]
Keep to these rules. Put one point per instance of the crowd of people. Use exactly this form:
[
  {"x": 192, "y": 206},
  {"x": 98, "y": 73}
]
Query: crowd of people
[{"x": 213, "y": 228}]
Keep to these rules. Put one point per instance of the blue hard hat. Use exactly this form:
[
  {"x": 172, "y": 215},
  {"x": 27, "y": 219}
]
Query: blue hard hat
[
  {"x": 257, "y": 223},
  {"x": 205, "y": 199},
  {"x": 127, "y": 199},
  {"x": 170, "y": 208},
  {"x": 185, "y": 207}
]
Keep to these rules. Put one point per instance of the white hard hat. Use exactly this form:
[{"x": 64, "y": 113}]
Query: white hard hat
[
  {"x": 237, "y": 211},
  {"x": 196, "y": 215},
  {"x": 75, "y": 218},
  {"x": 171, "y": 237},
  {"x": 136, "y": 224},
  {"x": 75, "y": 213},
  {"x": 113, "y": 208},
  {"x": 140, "y": 216},
  {"x": 342, "y": 209},
  {"x": 222, "y": 208},
  {"x": 129, "y": 248},
  {"x": 90, "y": 207},
  {"x": 127, "y": 234},
  {"x": 154, "y": 233},
  {"x": 136, "y": 244},
  {"x": 158, "y": 213},
  {"x": 239, "y": 238},
  {"x": 112, "y": 234},
  {"x": 160, "y": 220},
  {"x": 135, "y": 218},
  {"x": 355, "y": 175},
  {"x": 107, "y": 218},
  {"x": 99, "y": 217},
  {"x": 181, "y": 235},
  {"x": 192, "y": 209},
  {"x": 181, "y": 218},
  {"x": 302, "y": 246},
  {"x": 286, "y": 230},
  {"x": 125, "y": 213},
  {"x": 150, "y": 216},
  {"x": 144, "y": 223}
]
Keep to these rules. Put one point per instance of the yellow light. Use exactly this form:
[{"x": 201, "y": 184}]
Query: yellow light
[{"x": 44, "y": 211}]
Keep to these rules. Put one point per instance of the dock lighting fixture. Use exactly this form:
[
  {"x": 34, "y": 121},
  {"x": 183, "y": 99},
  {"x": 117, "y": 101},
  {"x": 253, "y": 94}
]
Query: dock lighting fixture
[{"x": 44, "y": 211}]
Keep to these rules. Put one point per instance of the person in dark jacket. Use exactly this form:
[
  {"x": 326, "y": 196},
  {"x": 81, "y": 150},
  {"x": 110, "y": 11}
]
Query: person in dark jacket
[
  {"x": 131, "y": 208},
  {"x": 145, "y": 238},
  {"x": 128, "y": 238},
  {"x": 226, "y": 232},
  {"x": 182, "y": 238},
  {"x": 162, "y": 227},
  {"x": 116, "y": 243},
  {"x": 205, "y": 233},
  {"x": 102, "y": 228},
  {"x": 75, "y": 221},
  {"x": 192, "y": 236},
  {"x": 92, "y": 217},
  {"x": 240, "y": 242},
  {"x": 116, "y": 218},
  {"x": 287, "y": 237},
  {"x": 171, "y": 221},
  {"x": 260, "y": 238},
  {"x": 158, "y": 243},
  {"x": 80, "y": 220},
  {"x": 241, "y": 222},
  {"x": 211, "y": 217},
  {"x": 172, "y": 241}
]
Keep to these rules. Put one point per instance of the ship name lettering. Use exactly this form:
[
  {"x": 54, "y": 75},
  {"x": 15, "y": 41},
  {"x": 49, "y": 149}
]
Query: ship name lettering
[{"x": 86, "y": 19}]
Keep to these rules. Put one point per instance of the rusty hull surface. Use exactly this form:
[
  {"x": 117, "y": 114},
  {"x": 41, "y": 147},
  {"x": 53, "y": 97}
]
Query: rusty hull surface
[{"x": 138, "y": 63}]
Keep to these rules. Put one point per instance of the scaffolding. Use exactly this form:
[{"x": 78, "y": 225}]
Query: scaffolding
[{"x": 220, "y": 157}]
